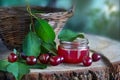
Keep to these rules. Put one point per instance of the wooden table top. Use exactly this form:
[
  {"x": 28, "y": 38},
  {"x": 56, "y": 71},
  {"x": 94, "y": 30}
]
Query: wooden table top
[{"x": 108, "y": 47}]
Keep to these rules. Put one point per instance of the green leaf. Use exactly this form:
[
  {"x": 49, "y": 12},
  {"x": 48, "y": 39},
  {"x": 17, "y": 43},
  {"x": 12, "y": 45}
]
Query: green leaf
[
  {"x": 81, "y": 35},
  {"x": 44, "y": 30},
  {"x": 51, "y": 47},
  {"x": 3, "y": 65},
  {"x": 31, "y": 44},
  {"x": 23, "y": 69},
  {"x": 44, "y": 50},
  {"x": 68, "y": 35},
  {"x": 38, "y": 66},
  {"x": 13, "y": 68},
  {"x": 18, "y": 69},
  {"x": 36, "y": 11}
]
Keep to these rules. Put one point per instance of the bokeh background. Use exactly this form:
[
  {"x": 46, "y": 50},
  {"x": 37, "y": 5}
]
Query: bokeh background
[{"x": 100, "y": 17}]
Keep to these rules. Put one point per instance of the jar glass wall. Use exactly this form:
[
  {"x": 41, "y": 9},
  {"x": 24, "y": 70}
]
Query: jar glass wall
[{"x": 75, "y": 51}]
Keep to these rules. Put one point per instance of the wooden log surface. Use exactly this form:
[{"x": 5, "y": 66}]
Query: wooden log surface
[{"x": 102, "y": 70}]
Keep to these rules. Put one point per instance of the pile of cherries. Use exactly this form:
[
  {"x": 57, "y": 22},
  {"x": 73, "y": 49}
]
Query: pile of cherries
[
  {"x": 43, "y": 58},
  {"x": 52, "y": 60},
  {"x": 87, "y": 61}
]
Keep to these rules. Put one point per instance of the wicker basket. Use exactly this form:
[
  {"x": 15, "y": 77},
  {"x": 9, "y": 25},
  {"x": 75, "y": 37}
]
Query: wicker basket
[{"x": 14, "y": 23}]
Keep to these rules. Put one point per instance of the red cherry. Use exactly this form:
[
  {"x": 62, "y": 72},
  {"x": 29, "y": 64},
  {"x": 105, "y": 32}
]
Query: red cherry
[
  {"x": 23, "y": 56},
  {"x": 96, "y": 57},
  {"x": 55, "y": 60},
  {"x": 44, "y": 58},
  {"x": 12, "y": 57},
  {"x": 61, "y": 59},
  {"x": 31, "y": 60},
  {"x": 87, "y": 61}
]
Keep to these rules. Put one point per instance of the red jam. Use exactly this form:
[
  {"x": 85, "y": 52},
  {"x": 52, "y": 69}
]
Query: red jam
[{"x": 73, "y": 52}]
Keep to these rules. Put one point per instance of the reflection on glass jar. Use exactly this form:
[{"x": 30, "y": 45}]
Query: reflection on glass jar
[{"x": 73, "y": 52}]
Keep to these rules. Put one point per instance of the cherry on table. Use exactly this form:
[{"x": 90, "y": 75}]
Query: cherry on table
[
  {"x": 44, "y": 58},
  {"x": 96, "y": 57},
  {"x": 61, "y": 59},
  {"x": 12, "y": 57},
  {"x": 23, "y": 56},
  {"x": 87, "y": 61},
  {"x": 31, "y": 60},
  {"x": 55, "y": 60}
]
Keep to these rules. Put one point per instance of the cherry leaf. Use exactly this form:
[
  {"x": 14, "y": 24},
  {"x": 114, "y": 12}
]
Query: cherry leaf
[
  {"x": 68, "y": 35},
  {"x": 18, "y": 69},
  {"x": 3, "y": 65},
  {"x": 44, "y": 30},
  {"x": 31, "y": 45}
]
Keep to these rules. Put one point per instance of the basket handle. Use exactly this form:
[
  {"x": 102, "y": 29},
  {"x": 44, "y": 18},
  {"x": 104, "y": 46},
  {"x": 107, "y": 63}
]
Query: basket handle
[
  {"x": 64, "y": 15},
  {"x": 68, "y": 14}
]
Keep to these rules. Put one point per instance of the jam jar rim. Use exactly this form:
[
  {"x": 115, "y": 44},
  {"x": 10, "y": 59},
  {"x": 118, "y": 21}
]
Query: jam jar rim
[{"x": 79, "y": 41}]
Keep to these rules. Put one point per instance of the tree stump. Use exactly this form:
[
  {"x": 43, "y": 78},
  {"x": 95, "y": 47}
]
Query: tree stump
[{"x": 108, "y": 68}]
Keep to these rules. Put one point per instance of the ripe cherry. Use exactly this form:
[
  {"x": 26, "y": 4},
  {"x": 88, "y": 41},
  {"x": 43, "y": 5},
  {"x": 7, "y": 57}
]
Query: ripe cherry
[
  {"x": 87, "y": 61},
  {"x": 12, "y": 57},
  {"x": 44, "y": 58},
  {"x": 96, "y": 57},
  {"x": 55, "y": 60},
  {"x": 31, "y": 60},
  {"x": 61, "y": 59},
  {"x": 23, "y": 56}
]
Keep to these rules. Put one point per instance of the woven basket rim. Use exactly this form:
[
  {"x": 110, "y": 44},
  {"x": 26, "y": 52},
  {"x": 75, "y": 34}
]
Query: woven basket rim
[{"x": 39, "y": 8}]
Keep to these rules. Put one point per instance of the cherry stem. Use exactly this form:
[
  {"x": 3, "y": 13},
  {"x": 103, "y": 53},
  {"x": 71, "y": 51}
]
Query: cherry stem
[
  {"x": 30, "y": 26},
  {"x": 29, "y": 10},
  {"x": 31, "y": 15}
]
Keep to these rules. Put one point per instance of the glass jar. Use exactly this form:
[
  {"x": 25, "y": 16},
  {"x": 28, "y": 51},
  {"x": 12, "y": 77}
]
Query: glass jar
[{"x": 74, "y": 52}]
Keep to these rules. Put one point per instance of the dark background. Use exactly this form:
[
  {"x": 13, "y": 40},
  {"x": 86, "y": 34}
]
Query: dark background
[{"x": 100, "y": 17}]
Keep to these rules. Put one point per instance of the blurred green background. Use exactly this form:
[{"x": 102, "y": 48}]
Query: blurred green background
[{"x": 101, "y": 17}]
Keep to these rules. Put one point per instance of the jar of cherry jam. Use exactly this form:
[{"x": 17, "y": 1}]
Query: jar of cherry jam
[{"x": 74, "y": 52}]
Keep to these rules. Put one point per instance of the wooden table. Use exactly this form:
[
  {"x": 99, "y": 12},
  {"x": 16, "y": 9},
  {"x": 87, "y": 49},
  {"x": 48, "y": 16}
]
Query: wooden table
[{"x": 101, "y": 70}]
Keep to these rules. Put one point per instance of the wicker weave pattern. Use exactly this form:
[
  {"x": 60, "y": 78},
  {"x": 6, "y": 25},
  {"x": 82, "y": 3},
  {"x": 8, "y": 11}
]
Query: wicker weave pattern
[{"x": 14, "y": 23}]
